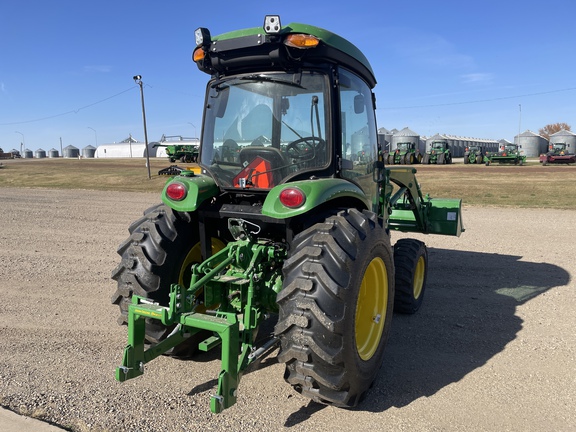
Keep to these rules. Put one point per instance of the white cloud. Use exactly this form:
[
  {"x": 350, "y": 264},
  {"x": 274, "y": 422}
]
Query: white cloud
[
  {"x": 432, "y": 50},
  {"x": 477, "y": 78}
]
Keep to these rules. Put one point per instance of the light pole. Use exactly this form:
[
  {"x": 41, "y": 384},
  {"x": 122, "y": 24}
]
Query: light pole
[
  {"x": 519, "y": 122},
  {"x": 195, "y": 134},
  {"x": 138, "y": 80},
  {"x": 95, "y": 135},
  {"x": 21, "y": 144}
]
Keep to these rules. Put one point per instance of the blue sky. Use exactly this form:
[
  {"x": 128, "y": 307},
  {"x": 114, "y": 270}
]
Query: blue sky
[{"x": 482, "y": 69}]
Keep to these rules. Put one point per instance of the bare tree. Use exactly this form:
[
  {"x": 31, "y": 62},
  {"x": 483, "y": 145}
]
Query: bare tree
[{"x": 551, "y": 129}]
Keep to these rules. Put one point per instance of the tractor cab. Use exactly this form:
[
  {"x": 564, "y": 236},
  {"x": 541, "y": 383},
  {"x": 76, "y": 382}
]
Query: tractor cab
[{"x": 296, "y": 108}]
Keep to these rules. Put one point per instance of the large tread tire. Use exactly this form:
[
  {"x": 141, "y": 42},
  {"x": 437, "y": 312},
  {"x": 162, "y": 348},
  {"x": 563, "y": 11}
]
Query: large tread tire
[
  {"x": 153, "y": 257},
  {"x": 411, "y": 269},
  {"x": 426, "y": 160},
  {"x": 336, "y": 307}
]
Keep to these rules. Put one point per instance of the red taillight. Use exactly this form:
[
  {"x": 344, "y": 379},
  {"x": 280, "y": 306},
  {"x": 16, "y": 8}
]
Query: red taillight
[
  {"x": 176, "y": 191},
  {"x": 292, "y": 197}
]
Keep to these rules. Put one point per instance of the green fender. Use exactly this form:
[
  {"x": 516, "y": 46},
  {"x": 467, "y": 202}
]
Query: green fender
[
  {"x": 199, "y": 189},
  {"x": 317, "y": 192}
]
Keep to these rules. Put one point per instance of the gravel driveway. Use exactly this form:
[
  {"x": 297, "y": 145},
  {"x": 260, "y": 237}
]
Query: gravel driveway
[{"x": 493, "y": 348}]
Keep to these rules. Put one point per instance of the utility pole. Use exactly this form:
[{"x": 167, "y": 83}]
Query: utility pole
[{"x": 138, "y": 80}]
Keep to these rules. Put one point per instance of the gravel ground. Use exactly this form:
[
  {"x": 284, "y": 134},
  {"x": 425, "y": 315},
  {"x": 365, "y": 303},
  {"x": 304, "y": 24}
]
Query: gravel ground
[{"x": 493, "y": 348}]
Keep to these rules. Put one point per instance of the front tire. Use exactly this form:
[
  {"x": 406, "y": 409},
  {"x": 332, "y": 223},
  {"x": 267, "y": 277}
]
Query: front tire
[
  {"x": 336, "y": 307},
  {"x": 411, "y": 267}
]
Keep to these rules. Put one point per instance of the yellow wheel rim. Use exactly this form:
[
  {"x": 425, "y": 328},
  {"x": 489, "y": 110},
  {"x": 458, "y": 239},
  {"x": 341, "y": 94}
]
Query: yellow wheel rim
[
  {"x": 419, "y": 274},
  {"x": 371, "y": 309},
  {"x": 195, "y": 256}
]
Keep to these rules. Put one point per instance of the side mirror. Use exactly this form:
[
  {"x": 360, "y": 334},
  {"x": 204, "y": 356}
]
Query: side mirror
[{"x": 359, "y": 104}]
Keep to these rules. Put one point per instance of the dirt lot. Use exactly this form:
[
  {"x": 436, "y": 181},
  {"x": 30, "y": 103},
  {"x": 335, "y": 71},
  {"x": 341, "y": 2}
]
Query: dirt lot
[{"x": 493, "y": 348}]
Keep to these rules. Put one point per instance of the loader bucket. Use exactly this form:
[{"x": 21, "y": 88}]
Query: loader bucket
[{"x": 442, "y": 216}]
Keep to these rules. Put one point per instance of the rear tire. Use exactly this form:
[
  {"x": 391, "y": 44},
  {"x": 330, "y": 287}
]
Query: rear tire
[
  {"x": 161, "y": 248},
  {"x": 411, "y": 268},
  {"x": 336, "y": 307}
]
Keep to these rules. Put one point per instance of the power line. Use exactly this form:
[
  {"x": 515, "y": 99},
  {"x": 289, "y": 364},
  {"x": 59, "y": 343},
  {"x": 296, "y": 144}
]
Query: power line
[
  {"x": 75, "y": 111},
  {"x": 481, "y": 100}
]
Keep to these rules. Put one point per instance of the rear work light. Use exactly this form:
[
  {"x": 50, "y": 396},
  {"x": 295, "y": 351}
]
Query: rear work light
[
  {"x": 292, "y": 197},
  {"x": 298, "y": 40},
  {"x": 176, "y": 191}
]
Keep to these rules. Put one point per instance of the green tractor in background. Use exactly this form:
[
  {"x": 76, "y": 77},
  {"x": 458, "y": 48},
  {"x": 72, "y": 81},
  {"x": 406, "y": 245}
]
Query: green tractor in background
[
  {"x": 179, "y": 148},
  {"x": 287, "y": 230},
  {"x": 406, "y": 153},
  {"x": 508, "y": 154},
  {"x": 439, "y": 153},
  {"x": 474, "y": 155}
]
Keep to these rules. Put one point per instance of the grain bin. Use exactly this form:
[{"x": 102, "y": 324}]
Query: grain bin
[
  {"x": 531, "y": 144},
  {"x": 28, "y": 154},
  {"x": 40, "y": 154},
  {"x": 53, "y": 153},
  {"x": 89, "y": 152},
  {"x": 384, "y": 138},
  {"x": 71, "y": 152}
]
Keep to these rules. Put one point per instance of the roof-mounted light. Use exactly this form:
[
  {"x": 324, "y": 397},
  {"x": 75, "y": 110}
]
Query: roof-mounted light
[
  {"x": 202, "y": 37},
  {"x": 298, "y": 40},
  {"x": 272, "y": 24}
]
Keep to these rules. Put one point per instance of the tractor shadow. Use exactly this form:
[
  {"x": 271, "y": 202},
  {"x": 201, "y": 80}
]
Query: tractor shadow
[{"x": 468, "y": 316}]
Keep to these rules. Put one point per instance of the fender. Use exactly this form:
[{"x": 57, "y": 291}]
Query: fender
[
  {"x": 317, "y": 192},
  {"x": 199, "y": 188}
]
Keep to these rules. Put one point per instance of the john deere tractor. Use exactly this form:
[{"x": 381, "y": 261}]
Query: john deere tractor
[
  {"x": 406, "y": 153},
  {"x": 439, "y": 153},
  {"x": 285, "y": 230},
  {"x": 474, "y": 155}
]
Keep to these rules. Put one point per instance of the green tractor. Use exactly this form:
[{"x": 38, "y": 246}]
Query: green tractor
[
  {"x": 439, "y": 153},
  {"x": 474, "y": 155},
  {"x": 508, "y": 154},
  {"x": 287, "y": 233},
  {"x": 179, "y": 148},
  {"x": 406, "y": 153}
]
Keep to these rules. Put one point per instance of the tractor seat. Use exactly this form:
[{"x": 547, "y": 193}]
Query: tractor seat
[{"x": 273, "y": 161}]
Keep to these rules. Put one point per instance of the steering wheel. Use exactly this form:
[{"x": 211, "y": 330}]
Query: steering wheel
[{"x": 305, "y": 147}]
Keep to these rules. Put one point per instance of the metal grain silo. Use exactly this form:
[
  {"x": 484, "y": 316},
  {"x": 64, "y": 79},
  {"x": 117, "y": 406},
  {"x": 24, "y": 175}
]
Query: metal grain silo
[
  {"x": 384, "y": 138},
  {"x": 28, "y": 154},
  {"x": 405, "y": 135},
  {"x": 567, "y": 137},
  {"x": 71, "y": 152},
  {"x": 531, "y": 144},
  {"x": 88, "y": 151},
  {"x": 53, "y": 153},
  {"x": 40, "y": 154}
]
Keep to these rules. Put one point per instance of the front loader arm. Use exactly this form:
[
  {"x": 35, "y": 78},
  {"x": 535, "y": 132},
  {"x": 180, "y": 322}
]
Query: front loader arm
[{"x": 410, "y": 211}]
